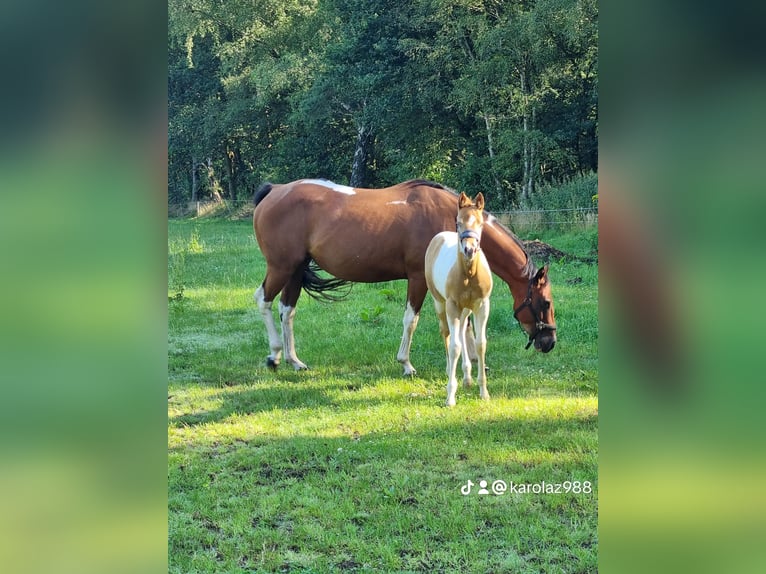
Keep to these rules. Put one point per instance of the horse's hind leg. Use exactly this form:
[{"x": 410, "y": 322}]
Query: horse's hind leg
[
  {"x": 470, "y": 341},
  {"x": 416, "y": 294},
  {"x": 287, "y": 304},
  {"x": 265, "y": 298}
]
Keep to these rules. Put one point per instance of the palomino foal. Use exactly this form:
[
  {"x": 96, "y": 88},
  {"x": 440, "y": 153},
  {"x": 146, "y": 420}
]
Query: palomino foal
[{"x": 460, "y": 281}]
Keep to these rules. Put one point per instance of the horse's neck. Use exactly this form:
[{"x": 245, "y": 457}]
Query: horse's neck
[{"x": 507, "y": 259}]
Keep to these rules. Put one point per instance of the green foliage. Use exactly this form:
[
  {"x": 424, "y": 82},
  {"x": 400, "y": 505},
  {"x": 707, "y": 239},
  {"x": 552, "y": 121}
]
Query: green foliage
[
  {"x": 481, "y": 96},
  {"x": 576, "y": 192},
  {"x": 349, "y": 466},
  {"x": 389, "y": 294},
  {"x": 371, "y": 315}
]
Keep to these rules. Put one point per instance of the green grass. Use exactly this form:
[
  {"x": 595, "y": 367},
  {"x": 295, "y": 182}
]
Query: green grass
[{"x": 350, "y": 467}]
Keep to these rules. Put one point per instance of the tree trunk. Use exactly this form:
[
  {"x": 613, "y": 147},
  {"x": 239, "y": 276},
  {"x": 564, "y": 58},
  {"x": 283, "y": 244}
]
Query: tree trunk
[
  {"x": 215, "y": 185},
  {"x": 229, "y": 163},
  {"x": 491, "y": 149},
  {"x": 361, "y": 154},
  {"x": 531, "y": 175},
  {"x": 195, "y": 181},
  {"x": 527, "y": 153}
]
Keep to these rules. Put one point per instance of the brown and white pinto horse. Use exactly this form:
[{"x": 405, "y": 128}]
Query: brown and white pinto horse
[
  {"x": 460, "y": 281},
  {"x": 374, "y": 235}
]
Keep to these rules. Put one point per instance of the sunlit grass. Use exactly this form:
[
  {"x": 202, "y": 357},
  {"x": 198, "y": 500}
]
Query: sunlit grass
[{"x": 350, "y": 466}]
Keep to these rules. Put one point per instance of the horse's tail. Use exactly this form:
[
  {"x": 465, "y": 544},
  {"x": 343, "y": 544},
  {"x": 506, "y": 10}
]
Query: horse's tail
[
  {"x": 321, "y": 288},
  {"x": 262, "y": 192}
]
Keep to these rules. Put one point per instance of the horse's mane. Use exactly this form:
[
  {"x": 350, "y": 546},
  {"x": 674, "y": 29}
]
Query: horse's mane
[{"x": 529, "y": 267}]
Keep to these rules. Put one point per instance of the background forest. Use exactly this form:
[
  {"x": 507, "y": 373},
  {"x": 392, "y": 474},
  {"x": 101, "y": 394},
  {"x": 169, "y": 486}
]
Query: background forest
[{"x": 481, "y": 95}]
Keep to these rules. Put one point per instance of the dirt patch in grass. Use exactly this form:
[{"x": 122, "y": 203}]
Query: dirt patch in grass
[{"x": 540, "y": 251}]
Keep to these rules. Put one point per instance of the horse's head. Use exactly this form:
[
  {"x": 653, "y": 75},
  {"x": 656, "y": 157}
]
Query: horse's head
[
  {"x": 470, "y": 220},
  {"x": 535, "y": 314}
]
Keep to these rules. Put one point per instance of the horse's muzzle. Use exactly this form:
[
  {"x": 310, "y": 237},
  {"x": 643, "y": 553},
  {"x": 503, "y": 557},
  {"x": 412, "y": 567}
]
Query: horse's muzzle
[{"x": 545, "y": 341}]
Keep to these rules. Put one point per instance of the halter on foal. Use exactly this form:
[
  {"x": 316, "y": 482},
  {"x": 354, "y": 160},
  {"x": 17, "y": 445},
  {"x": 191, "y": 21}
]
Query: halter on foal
[{"x": 460, "y": 281}]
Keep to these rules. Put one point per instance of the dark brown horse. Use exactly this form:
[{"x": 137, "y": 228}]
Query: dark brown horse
[{"x": 374, "y": 235}]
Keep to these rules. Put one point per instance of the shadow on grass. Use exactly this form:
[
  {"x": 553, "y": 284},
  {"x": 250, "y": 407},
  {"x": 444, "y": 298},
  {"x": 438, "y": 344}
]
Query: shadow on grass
[{"x": 295, "y": 391}]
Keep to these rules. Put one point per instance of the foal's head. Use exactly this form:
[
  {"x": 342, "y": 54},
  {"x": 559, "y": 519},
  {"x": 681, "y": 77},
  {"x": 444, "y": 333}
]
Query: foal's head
[{"x": 470, "y": 220}]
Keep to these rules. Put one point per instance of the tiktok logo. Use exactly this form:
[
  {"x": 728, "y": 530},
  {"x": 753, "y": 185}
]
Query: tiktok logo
[{"x": 498, "y": 487}]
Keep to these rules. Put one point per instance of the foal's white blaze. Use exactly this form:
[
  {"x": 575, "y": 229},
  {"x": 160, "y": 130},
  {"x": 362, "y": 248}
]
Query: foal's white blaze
[
  {"x": 344, "y": 189},
  {"x": 397, "y": 202},
  {"x": 445, "y": 260}
]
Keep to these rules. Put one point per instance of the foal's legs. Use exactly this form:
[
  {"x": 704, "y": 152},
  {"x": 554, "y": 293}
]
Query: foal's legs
[
  {"x": 467, "y": 348},
  {"x": 456, "y": 319},
  {"x": 482, "y": 316},
  {"x": 470, "y": 341}
]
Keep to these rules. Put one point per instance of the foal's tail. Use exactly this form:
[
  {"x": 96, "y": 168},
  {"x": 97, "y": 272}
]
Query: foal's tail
[
  {"x": 262, "y": 192},
  {"x": 321, "y": 288}
]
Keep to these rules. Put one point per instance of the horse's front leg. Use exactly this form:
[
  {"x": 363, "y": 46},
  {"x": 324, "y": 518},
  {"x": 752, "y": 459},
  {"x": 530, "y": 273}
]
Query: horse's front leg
[
  {"x": 454, "y": 350},
  {"x": 482, "y": 316}
]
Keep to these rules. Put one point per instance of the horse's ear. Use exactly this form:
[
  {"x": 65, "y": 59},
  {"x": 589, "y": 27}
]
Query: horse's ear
[
  {"x": 542, "y": 275},
  {"x": 463, "y": 201},
  {"x": 479, "y": 201}
]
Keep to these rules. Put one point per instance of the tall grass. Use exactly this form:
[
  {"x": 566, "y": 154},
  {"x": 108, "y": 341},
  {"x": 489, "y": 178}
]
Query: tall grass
[
  {"x": 577, "y": 192},
  {"x": 351, "y": 467}
]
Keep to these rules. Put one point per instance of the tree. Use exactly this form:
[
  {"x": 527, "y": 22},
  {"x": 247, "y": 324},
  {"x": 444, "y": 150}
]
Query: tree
[{"x": 484, "y": 95}]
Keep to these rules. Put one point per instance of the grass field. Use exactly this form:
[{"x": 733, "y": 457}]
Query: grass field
[{"x": 350, "y": 467}]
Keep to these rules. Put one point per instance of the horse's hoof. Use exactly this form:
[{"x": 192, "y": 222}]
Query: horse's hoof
[
  {"x": 271, "y": 363},
  {"x": 409, "y": 370}
]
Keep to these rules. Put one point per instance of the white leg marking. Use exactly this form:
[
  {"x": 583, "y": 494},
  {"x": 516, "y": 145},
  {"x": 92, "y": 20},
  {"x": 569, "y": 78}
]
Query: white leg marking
[
  {"x": 454, "y": 351},
  {"x": 482, "y": 316},
  {"x": 409, "y": 323},
  {"x": 287, "y": 314},
  {"x": 275, "y": 342}
]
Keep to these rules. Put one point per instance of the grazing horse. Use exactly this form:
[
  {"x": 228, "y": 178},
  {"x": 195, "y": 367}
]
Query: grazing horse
[
  {"x": 375, "y": 235},
  {"x": 460, "y": 281}
]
